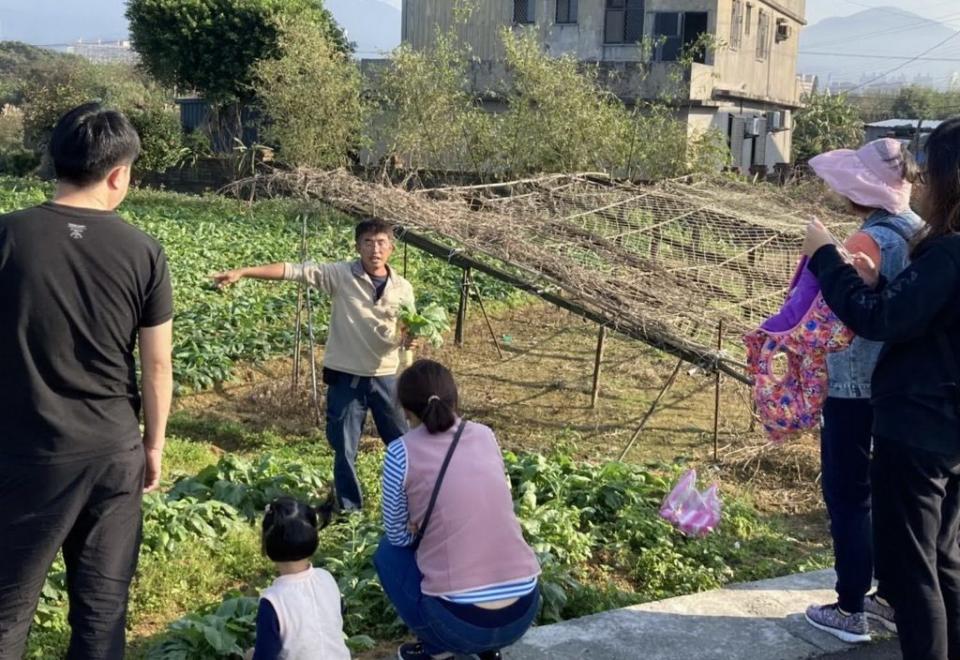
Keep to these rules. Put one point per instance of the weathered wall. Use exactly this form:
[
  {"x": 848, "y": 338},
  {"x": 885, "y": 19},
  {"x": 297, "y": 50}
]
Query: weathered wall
[
  {"x": 741, "y": 74},
  {"x": 734, "y": 82}
]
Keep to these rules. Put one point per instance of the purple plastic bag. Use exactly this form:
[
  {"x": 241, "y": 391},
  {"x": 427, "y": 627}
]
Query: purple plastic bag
[{"x": 692, "y": 512}]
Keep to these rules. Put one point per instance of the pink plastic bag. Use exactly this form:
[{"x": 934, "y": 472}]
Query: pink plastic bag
[{"x": 692, "y": 512}]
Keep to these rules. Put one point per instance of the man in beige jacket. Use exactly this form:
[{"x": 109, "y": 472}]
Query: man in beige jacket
[{"x": 361, "y": 357}]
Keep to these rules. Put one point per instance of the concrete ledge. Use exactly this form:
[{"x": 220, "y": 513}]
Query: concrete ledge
[{"x": 757, "y": 621}]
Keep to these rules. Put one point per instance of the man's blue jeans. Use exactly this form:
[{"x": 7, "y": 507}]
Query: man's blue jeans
[
  {"x": 438, "y": 628},
  {"x": 349, "y": 398}
]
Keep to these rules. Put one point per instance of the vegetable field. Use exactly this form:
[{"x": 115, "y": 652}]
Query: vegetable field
[
  {"x": 215, "y": 330},
  {"x": 595, "y": 527}
]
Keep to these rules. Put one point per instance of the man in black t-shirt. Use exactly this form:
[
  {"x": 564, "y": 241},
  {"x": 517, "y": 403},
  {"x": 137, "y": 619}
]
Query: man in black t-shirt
[{"x": 79, "y": 287}]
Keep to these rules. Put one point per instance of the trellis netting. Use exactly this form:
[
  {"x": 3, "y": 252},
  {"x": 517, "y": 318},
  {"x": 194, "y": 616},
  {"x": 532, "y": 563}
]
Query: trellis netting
[{"x": 666, "y": 263}]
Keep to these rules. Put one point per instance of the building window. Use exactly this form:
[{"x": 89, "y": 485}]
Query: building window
[
  {"x": 523, "y": 11},
  {"x": 736, "y": 25},
  {"x": 676, "y": 31},
  {"x": 749, "y": 22},
  {"x": 763, "y": 36},
  {"x": 566, "y": 11},
  {"x": 783, "y": 30},
  {"x": 667, "y": 35},
  {"x": 623, "y": 22}
]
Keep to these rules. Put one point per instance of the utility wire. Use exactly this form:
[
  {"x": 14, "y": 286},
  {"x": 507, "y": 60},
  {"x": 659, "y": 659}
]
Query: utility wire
[
  {"x": 910, "y": 61},
  {"x": 882, "y": 57}
]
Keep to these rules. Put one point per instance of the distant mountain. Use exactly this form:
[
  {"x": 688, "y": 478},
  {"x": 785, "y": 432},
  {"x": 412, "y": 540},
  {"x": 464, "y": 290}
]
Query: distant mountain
[
  {"x": 373, "y": 25},
  {"x": 884, "y": 31}
]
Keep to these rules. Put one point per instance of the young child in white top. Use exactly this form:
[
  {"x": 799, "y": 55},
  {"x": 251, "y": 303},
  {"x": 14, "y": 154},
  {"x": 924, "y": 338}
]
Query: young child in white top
[{"x": 300, "y": 615}]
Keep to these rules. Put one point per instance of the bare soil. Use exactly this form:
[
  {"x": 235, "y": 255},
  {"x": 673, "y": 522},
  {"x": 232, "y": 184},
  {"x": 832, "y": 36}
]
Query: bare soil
[{"x": 538, "y": 396}]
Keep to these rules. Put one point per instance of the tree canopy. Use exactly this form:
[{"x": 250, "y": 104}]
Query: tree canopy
[{"x": 213, "y": 46}]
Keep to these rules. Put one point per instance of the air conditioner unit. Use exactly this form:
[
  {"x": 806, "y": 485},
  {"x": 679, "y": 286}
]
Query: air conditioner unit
[
  {"x": 783, "y": 30},
  {"x": 751, "y": 126},
  {"x": 775, "y": 120}
]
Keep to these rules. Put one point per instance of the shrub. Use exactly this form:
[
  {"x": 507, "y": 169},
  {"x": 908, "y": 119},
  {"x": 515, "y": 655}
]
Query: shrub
[
  {"x": 50, "y": 91},
  {"x": 827, "y": 121},
  {"x": 427, "y": 117},
  {"x": 15, "y": 159},
  {"x": 161, "y": 136},
  {"x": 558, "y": 117},
  {"x": 55, "y": 88},
  {"x": 312, "y": 98}
]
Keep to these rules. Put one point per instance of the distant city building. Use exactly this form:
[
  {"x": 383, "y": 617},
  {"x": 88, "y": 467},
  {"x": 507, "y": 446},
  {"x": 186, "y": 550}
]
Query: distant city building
[
  {"x": 877, "y": 84},
  {"x": 808, "y": 83},
  {"x": 103, "y": 52}
]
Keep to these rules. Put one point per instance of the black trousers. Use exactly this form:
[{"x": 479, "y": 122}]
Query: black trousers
[
  {"x": 92, "y": 510},
  {"x": 916, "y": 517}
]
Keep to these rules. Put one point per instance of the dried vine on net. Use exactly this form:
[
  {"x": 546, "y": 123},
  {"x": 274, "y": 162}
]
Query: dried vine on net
[{"x": 665, "y": 263}]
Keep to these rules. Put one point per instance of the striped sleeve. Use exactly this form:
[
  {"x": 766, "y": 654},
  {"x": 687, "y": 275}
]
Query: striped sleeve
[{"x": 396, "y": 513}]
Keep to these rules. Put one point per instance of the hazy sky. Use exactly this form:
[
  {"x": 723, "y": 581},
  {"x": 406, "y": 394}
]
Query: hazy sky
[{"x": 59, "y": 15}]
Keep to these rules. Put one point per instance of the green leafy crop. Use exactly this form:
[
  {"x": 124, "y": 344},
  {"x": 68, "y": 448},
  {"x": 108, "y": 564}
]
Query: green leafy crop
[
  {"x": 226, "y": 632},
  {"x": 428, "y": 324}
]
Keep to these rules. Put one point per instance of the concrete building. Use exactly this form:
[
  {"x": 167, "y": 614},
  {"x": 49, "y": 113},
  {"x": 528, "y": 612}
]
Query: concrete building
[{"x": 746, "y": 87}]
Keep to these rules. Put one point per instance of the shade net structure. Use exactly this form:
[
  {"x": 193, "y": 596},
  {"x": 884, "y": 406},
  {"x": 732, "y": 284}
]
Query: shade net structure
[{"x": 666, "y": 263}]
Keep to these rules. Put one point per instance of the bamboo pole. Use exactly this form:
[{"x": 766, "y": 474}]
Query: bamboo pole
[
  {"x": 314, "y": 386},
  {"x": 653, "y": 406},
  {"x": 486, "y": 318},
  {"x": 601, "y": 342},
  {"x": 462, "y": 309},
  {"x": 298, "y": 336},
  {"x": 716, "y": 397}
]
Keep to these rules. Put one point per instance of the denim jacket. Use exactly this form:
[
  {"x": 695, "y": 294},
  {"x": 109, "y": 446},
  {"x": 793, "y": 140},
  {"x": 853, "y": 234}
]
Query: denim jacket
[{"x": 851, "y": 370}]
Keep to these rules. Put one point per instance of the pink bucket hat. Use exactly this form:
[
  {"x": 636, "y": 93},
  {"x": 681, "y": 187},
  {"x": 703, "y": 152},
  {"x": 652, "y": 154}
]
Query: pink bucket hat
[{"x": 871, "y": 176}]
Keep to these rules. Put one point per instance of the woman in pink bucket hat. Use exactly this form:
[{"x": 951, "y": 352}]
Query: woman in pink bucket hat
[
  {"x": 875, "y": 181},
  {"x": 878, "y": 175}
]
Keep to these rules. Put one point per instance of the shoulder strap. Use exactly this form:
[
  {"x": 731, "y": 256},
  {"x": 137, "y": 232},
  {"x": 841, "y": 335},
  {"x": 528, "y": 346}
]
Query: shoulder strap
[
  {"x": 436, "y": 487},
  {"x": 895, "y": 228}
]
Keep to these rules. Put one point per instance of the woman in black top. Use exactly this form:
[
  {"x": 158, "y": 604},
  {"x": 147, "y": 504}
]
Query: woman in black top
[{"x": 916, "y": 468}]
